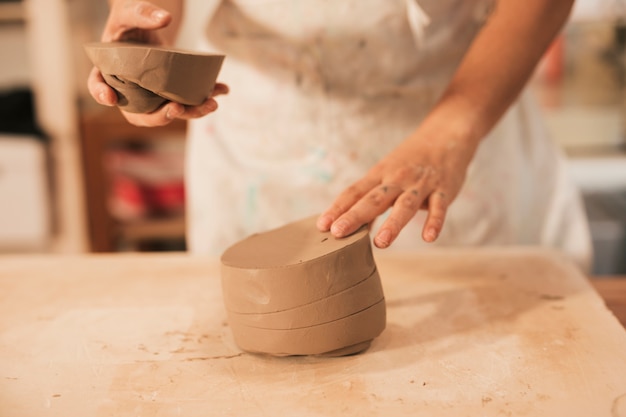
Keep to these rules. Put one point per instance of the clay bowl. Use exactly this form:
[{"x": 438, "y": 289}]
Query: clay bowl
[
  {"x": 296, "y": 291},
  {"x": 146, "y": 76}
]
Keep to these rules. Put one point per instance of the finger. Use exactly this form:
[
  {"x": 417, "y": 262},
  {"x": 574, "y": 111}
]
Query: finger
[
  {"x": 404, "y": 208},
  {"x": 194, "y": 112},
  {"x": 220, "y": 89},
  {"x": 437, "y": 208},
  {"x": 169, "y": 112},
  {"x": 343, "y": 202},
  {"x": 160, "y": 117},
  {"x": 366, "y": 209},
  {"x": 99, "y": 89},
  {"x": 138, "y": 15}
]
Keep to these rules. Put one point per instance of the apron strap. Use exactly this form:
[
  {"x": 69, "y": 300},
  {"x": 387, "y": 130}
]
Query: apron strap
[{"x": 418, "y": 21}]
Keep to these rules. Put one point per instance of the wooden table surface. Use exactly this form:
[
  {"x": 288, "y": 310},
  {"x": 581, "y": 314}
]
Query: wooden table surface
[
  {"x": 613, "y": 290},
  {"x": 513, "y": 332}
]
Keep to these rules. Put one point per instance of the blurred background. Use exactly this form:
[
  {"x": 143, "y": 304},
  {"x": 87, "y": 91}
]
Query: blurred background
[{"x": 75, "y": 177}]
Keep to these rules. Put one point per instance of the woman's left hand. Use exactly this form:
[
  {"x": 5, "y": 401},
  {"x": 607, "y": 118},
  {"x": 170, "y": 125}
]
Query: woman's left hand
[{"x": 426, "y": 171}]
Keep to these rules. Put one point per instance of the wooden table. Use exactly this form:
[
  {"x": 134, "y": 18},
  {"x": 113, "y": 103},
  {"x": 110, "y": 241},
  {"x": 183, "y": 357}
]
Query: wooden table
[
  {"x": 469, "y": 333},
  {"x": 613, "y": 290}
]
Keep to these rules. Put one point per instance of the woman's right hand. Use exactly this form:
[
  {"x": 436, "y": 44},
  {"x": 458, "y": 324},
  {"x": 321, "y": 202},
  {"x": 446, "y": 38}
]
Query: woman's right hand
[{"x": 143, "y": 21}]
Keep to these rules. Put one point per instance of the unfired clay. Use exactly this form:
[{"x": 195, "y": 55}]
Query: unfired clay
[
  {"x": 292, "y": 266},
  {"x": 314, "y": 340},
  {"x": 146, "y": 76},
  {"x": 297, "y": 291},
  {"x": 350, "y": 301}
]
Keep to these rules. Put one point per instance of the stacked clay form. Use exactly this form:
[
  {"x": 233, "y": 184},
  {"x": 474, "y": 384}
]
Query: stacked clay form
[
  {"x": 146, "y": 76},
  {"x": 297, "y": 291}
]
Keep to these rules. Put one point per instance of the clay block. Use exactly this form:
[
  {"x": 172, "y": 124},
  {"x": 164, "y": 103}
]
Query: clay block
[
  {"x": 342, "y": 304},
  {"x": 315, "y": 340},
  {"x": 292, "y": 266},
  {"x": 146, "y": 76},
  {"x": 297, "y": 291}
]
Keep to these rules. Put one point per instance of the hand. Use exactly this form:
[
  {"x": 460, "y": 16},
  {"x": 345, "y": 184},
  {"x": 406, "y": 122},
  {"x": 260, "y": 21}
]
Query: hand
[
  {"x": 142, "y": 21},
  {"x": 428, "y": 170},
  {"x": 424, "y": 172},
  {"x": 105, "y": 95}
]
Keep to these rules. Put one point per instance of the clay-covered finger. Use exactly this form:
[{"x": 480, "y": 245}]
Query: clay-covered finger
[
  {"x": 437, "y": 208},
  {"x": 194, "y": 112},
  {"x": 125, "y": 19},
  {"x": 220, "y": 89},
  {"x": 343, "y": 203},
  {"x": 404, "y": 208},
  {"x": 160, "y": 117},
  {"x": 99, "y": 89},
  {"x": 366, "y": 209}
]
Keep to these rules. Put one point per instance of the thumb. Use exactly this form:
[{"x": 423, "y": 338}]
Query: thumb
[{"x": 129, "y": 16}]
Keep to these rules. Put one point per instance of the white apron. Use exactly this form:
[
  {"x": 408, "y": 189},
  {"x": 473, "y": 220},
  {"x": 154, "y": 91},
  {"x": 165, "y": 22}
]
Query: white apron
[{"x": 322, "y": 89}]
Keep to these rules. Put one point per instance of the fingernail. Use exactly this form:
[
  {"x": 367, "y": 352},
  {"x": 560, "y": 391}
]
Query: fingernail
[
  {"x": 210, "y": 106},
  {"x": 324, "y": 222},
  {"x": 383, "y": 239},
  {"x": 173, "y": 113},
  {"x": 431, "y": 234},
  {"x": 339, "y": 228},
  {"x": 158, "y": 15}
]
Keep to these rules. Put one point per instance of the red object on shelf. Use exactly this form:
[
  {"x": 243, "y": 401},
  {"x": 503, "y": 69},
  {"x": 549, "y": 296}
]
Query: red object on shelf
[
  {"x": 145, "y": 183},
  {"x": 167, "y": 198},
  {"x": 126, "y": 201}
]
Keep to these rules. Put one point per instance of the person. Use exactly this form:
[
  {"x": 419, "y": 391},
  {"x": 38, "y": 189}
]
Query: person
[{"x": 410, "y": 114}]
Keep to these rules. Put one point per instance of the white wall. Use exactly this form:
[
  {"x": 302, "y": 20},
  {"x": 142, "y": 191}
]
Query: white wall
[
  {"x": 15, "y": 68},
  {"x": 594, "y": 10}
]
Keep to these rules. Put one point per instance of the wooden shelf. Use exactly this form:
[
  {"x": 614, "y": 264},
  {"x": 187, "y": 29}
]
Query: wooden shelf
[
  {"x": 100, "y": 129},
  {"x": 12, "y": 12},
  {"x": 166, "y": 228}
]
